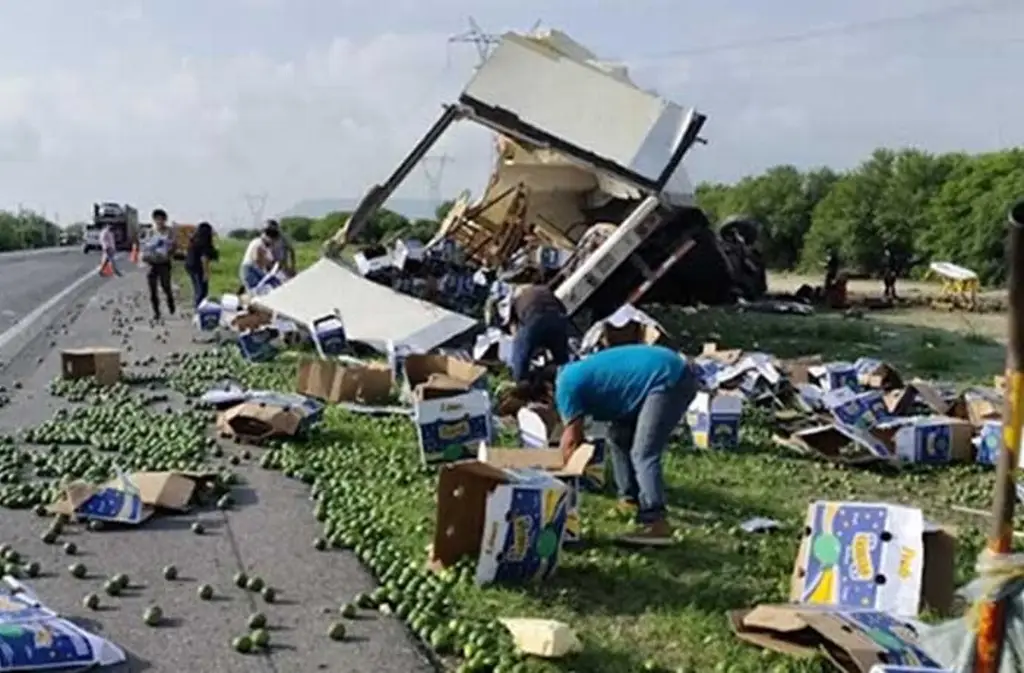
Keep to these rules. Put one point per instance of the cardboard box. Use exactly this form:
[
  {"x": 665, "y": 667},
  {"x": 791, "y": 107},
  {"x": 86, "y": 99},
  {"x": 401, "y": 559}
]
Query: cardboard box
[
  {"x": 511, "y": 522},
  {"x": 251, "y": 319},
  {"x": 873, "y": 373},
  {"x": 628, "y": 325},
  {"x": 129, "y": 499},
  {"x": 335, "y": 381},
  {"x": 840, "y": 443},
  {"x": 551, "y": 462},
  {"x": 208, "y": 315},
  {"x": 367, "y": 265},
  {"x": 541, "y": 428},
  {"x": 451, "y": 427},
  {"x": 493, "y": 347},
  {"x": 408, "y": 250},
  {"x": 873, "y": 556},
  {"x": 934, "y": 440},
  {"x": 102, "y": 364},
  {"x": 258, "y": 345},
  {"x": 256, "y": 421},
  {"x": 861, "y": 410},
  {"x": 854, "y": 641},
  {"x": 980, "y": 406},
  {"x": 329, "y": 333},
  {"x": 834, "y": 375},
  {"x": 428, "y": 376},
  {"x": 714, "y": 420},
  {"x": 917, "y": 395},
  {"x": 989, "y": 444},
  {"x": 886, "y": 668}
]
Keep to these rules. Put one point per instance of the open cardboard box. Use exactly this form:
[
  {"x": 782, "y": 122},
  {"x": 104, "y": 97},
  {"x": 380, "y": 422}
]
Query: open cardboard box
[
  {"x": 256, "y": 421},
  {"x": 432, "y": 376},
  {"x": 130, "y": 499},
  {"x": 101, "y": 364},
  {"x": 855, "y": 641},
  {"x": 511, "y": 518},
  {"x": 335, "y": 381}
]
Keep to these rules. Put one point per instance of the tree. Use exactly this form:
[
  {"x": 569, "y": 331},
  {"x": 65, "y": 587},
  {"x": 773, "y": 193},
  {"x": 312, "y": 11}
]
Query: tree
[{"x": 298, "y": 229}]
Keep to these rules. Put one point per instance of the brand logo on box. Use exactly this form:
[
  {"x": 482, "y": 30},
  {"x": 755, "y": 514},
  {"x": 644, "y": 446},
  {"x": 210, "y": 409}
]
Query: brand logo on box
[
  {"x": 520, "y": 538},
  {"x": 452, "y": 407},
  {"x": 452, "y": 431},
  {"x": 863, "y": 544}
]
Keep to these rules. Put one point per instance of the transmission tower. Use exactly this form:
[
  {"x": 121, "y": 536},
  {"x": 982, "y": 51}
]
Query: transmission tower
[
  {"x": 484, "y": 42},
  {"x": 433, "y": 169},
  {"x": 257, "y": 204}
]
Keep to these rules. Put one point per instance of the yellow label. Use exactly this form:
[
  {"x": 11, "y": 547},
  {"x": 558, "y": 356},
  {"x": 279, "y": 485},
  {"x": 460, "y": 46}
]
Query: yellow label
[
  {"x": 863, "y": 544},
  {"x": 450, "y": 431},
  {"x": 520, "y": 538},
  {"x": 448, "y": 406},
  {"x": 907, "y": 556}
]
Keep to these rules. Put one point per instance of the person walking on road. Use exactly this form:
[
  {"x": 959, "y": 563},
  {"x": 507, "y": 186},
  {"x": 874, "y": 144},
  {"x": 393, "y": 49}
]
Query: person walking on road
[
  {"x": 200, "y": 254},
  {"x": 540, "y": 323},
  {"x": 156, "y": 255},
  {"x": 108, "y": 245},
  {"x": 258, "y": 259},
  {"x": 642, "y": 392}
]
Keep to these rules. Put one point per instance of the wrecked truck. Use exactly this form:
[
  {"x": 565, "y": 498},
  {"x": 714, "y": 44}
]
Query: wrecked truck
[{"x": 588, "y": 164}]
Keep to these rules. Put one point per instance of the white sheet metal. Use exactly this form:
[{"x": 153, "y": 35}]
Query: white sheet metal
[
  {"x": 373, "y": 313},
  {"x": 585, "y": 106},
  {"x": 952, "y": 271}
]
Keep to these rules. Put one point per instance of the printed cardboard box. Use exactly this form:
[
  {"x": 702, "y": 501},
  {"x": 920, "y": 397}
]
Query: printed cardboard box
[
  {"x": 426, "y": 376},
  {"x": 989, "y": 444},
  {"x": 129, "y": 499},
  {"x": 208, "y": 315},
  {"x": 408, "y": 250},
  {"x": 854, "y": 641},
  {"x": 874, "y": 373},
  {"x": 934, "y": 440},
  {"x": 258, "y": 345},
  {"x": 916, "y": 395},
  {"x": 628, "y": 325},
  {"x": 754, "y": 373},
  {"x": 861, "y": 410},
  {"x": 101, "y": 364},
  {"x": 335, "y": 381},
  {"x": 450, "y": 428},
  {"x": 328, "y": 333},
  {"x": 841, "y": 443},
  {"x": 886, "y": 668},
  {"x": 873, "y": 556},
  {"x": 714, "y": 420},
  {"x": 551, "y": 462},
  {"x": 834, "y": 375},
  {"x": 493, "y": 347},
  {"x": 251, "y": 319},
  {"x": 368, "y": 265},
  {"x": 511, "y": 522},
  {"x": 979, "y": 406},
  {"x": 540, "y": 427}
]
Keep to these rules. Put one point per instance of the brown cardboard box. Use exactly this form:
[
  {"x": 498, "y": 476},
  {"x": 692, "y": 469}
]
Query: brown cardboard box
[
  {"x": 255, "y": 422},
  {"x": 845, "y": 638},
  {"x": 881, "y": 377},
  {"x": 901, "y": 401},
  {"x": 433, "y": 376},
  {"x": 334, "y": 381},
  {"x": 156, "y": 490},
  {"x": 102, "y": 364},
  {"x": 250, "y": 320}
]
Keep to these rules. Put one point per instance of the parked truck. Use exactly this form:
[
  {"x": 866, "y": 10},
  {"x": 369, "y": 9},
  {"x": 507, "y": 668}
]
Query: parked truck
[{"x": 122, "y": 217}]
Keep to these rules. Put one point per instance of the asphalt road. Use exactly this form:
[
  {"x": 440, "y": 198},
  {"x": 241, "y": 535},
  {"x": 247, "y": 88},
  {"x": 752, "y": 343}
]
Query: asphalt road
[{"x": 269, "y": 532}]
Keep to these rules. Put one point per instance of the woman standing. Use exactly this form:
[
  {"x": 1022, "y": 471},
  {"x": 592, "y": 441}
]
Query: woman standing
[{"x": 198, "y": 257}]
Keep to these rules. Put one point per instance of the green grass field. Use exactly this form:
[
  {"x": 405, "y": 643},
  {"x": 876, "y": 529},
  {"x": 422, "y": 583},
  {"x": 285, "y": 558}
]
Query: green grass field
[{"x": 657, "y": 610}]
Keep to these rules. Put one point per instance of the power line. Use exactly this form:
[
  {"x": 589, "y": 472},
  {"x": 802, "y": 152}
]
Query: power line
[
  {"x": 852, "y": 28},
  {"x": 484, "y": 42},
  {"x": 433, "y": 169},
  {"x": 257, "y": 204}
]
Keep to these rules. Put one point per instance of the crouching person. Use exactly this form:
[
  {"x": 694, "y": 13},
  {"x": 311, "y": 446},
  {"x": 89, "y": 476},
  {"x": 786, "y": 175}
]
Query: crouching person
[
  {"x": 540, "y": 323},
  {"x": 642, "y": 392}
]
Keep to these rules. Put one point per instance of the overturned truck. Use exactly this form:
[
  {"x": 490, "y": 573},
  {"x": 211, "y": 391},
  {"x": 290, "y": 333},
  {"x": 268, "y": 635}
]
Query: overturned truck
[{"x": 589, "y": 164}]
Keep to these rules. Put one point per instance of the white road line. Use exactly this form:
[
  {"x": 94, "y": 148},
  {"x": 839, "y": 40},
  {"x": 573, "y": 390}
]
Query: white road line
[{"x": 22, "y": 325}]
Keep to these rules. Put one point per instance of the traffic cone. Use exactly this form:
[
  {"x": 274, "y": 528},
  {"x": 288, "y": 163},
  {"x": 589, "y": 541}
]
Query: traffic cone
[
  {"x": 133, "y": 256},
  {"x": 107, "y": 269}
]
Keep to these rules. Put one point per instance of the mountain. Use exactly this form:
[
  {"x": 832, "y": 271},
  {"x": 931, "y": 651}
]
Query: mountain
[{"x": 411, "y": 208}]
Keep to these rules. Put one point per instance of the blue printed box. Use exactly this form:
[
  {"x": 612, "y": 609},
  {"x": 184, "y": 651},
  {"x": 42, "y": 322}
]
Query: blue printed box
[
  {"x": 871, "y": 556},
  {"x": 834, "y": 375},
  {"x": 934, "y": 440},
  {"x": 450, "y": 428},
  {"x": 510, "y": 521},
  {"x": 714, "y": 420},
  {"x": 442, "y": 372},
  {"x": 861, "y": 410}
]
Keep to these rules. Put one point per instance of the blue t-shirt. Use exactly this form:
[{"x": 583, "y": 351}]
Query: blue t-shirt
[{"x": 612, "y": 383}]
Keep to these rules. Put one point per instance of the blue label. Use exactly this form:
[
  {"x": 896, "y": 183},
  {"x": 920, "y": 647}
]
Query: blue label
[
  {"x": 534, "y": 536},
  {"x": 43, "y": 644},
  {"x": 112, "y": 504},
  {"x": 445, "y": 441},
  {"x": 932, "y": 444},
  {"x": 257, "y": 346},
  {"x": 209, "y": 318},
  {"x": 896, "y": 638},
  {"x": 990, "y": 441}
]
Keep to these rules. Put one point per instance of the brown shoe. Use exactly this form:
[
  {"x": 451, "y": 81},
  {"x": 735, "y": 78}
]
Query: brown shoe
[{"x": 658, "y": 534}]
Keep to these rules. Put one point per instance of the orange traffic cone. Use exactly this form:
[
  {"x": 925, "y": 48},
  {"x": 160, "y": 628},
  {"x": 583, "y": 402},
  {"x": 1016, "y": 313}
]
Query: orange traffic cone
[
  {"x": 107, "y": 269},
  {"x": 134, "y": 254}
]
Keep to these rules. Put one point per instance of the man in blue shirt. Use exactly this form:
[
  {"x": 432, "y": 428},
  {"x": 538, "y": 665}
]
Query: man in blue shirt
[{"x": 642, "y": 392}]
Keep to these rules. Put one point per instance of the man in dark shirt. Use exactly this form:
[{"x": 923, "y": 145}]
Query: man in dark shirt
[
  {"x": 890, "y": 270},
  {"x": 539, "y": 322}
]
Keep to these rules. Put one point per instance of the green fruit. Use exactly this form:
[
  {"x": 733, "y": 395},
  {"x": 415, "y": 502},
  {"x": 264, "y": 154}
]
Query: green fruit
[
  {"x": 269, "y": 594},
  {"x": 241, "y": 580},
  {"x": 170, "y": 573},
  {"x": 70, "y": 548},
  {"x": 33, "y": 569},
  {"x": 92, "y": 602},
  {"x": 112, "y": 588},
  {"x": 205, "y": 592},
  {"x": 225, "y": 502},
  {"x": 257, "y": 620},
  {"x": 255, "y": 584},
  {"x": 349, "y": 611},
  {"x": 96, "y": 525},
  {"x": 320, "y": 544},
  {"x": 260, "y": 638},
  {"x": 77, "y": 570},
  {"x": 242, "y": 644},
  {"x": 336, "y": 631},
  {"x": 121, "y": 580},
  {"x": 153, "y": 616},
  {"x": 198, "y": 528}
]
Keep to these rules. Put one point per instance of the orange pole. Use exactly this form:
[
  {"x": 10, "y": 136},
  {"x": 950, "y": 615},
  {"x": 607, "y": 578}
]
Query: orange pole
[{"x": 992, "y": 614}]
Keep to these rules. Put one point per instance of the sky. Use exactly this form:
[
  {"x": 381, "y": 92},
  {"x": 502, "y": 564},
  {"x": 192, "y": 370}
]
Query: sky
[{"x": 192, "y": 105}]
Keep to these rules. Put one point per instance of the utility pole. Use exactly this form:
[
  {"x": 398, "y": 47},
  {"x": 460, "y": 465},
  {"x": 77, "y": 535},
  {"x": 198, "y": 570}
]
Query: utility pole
[
  {"x": 484, "y": 42},
  {"x": 433, "y": 168},
  {"x": 257, "y": 204}
]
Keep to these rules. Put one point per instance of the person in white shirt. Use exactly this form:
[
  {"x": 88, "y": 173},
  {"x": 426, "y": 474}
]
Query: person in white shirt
[
  {"x": 258, "y": 258},
  {"x": 108, "y": 246},
  {"x": 156, "y": 254},
  {"x": 282, "y": 249}
]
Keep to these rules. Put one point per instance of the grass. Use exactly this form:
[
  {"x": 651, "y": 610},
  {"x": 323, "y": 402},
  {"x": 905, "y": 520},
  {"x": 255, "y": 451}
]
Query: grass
[{"x": 659, "y": 610}]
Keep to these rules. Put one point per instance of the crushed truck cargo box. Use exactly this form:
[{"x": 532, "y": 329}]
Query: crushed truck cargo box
[{"x": 373, "y": 314}]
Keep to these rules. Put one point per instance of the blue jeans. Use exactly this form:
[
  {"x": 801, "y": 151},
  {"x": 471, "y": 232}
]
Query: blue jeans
[
  {"x": 200, "y": 287},
  {"x": 547, "y": 331},
  {"x": 637, "y": 442},
  {"x": 110, "y": 256},
  {"x": 250, "y": 275}
]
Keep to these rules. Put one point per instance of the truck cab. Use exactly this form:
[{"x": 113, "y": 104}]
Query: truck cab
[{"x": 122, "y": 217}]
